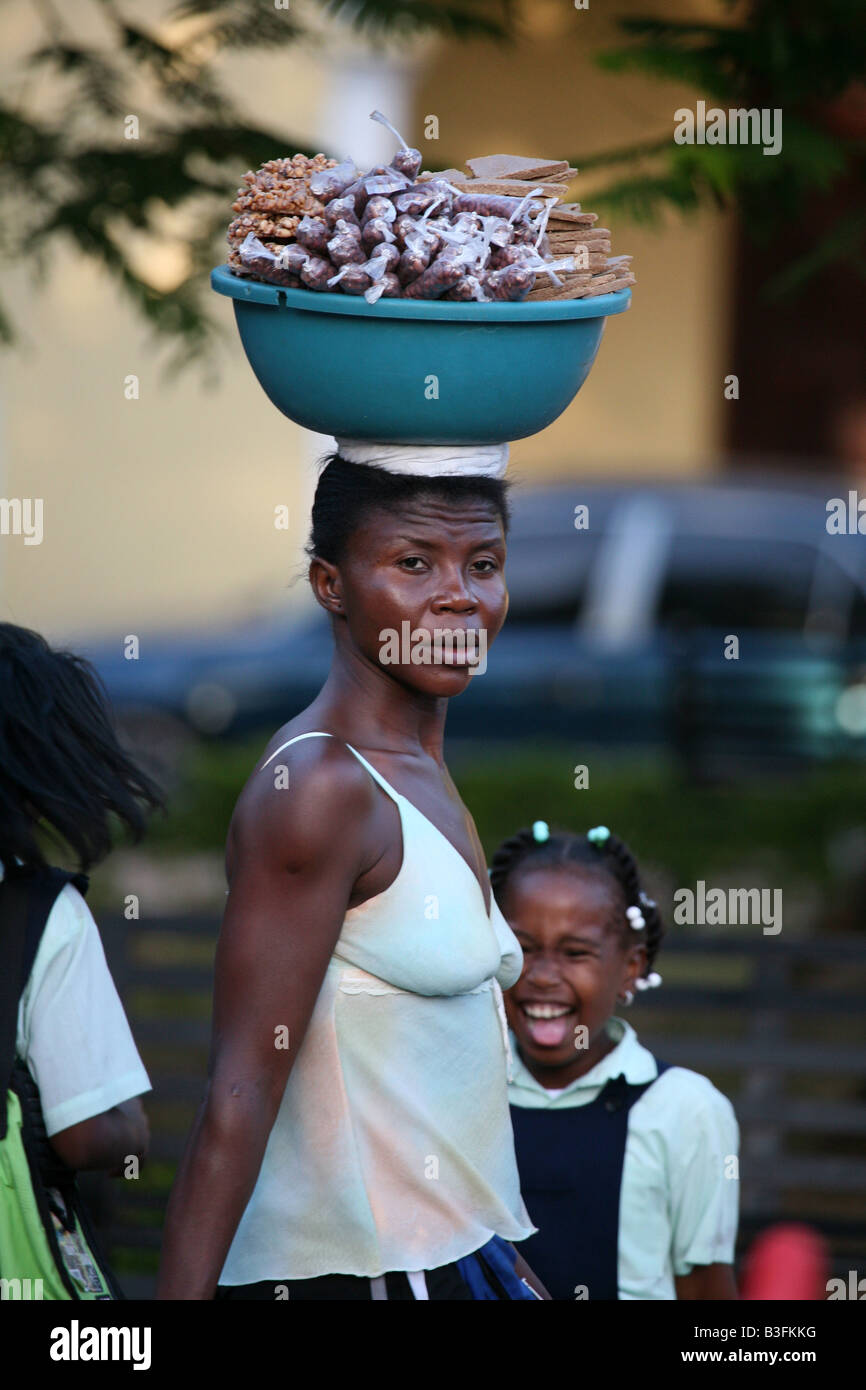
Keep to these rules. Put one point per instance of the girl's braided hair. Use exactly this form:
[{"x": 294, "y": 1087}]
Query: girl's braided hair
[{"x": 604, "y": 853}]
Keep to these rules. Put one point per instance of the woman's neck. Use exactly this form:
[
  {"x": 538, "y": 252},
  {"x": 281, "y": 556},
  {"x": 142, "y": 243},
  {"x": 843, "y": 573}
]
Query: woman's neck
[{"x": 363, "y": 705}]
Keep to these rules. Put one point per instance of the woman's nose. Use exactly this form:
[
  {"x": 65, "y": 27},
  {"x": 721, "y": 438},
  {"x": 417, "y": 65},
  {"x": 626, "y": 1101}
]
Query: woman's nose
[{"x": 455, "y": 594}]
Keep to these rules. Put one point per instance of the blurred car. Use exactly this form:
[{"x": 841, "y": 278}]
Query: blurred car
[{"x": 718, "y": 619}]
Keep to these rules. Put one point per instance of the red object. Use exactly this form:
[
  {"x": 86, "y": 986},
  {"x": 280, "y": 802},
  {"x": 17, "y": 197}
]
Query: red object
[{"x": 787, "y": 1262}]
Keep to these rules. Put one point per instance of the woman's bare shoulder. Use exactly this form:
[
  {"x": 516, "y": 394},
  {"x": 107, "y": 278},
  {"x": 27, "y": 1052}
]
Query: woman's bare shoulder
[{"x": 299, "y": 799}]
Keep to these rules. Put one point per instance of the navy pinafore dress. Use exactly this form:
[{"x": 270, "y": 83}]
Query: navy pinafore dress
[{"x": 570, "y": 1163}]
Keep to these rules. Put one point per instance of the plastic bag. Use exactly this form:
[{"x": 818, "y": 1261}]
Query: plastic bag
[
  {"x": 376, "y": 232},
  {"x": 351, "y": 279},
  {"x": 313, "y": 233},
  {"x": 331, "y": 183},
  {"x": 341, "y": 207},
  {"x": 406, "y": 161},
  {"x": 389, "y": 287},
  {"x": 436, "y": 280}
]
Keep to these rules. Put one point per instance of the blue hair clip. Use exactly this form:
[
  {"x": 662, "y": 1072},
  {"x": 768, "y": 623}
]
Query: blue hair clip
[
  {"x": 598, "y": 836},
  {"x": 540, "y": 831}
]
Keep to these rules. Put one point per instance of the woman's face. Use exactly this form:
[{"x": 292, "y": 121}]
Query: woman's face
[
  {"x": 422, "y": 591},
  {"x": 576, "y": 966}
]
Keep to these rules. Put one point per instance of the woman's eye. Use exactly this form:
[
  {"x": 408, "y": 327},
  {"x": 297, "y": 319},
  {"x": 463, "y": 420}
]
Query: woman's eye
[
  {"x": 412, "y": 563},
  {"x": 485, "y": 566}
]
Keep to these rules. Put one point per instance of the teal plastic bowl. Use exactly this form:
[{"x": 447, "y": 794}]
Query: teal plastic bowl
[{"x": 413, "y": 371}]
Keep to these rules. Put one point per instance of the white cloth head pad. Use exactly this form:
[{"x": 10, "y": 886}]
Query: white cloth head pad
[{"x": 428, "y": 460}]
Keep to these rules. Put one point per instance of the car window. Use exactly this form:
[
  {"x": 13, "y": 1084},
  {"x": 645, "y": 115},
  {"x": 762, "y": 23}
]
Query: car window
[
  {"x": 546, "y": 576},
  {"x": 724, "y": 582}
]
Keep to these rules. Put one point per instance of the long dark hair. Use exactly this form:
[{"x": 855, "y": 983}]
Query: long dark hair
[{"x": 61, "y": 764}]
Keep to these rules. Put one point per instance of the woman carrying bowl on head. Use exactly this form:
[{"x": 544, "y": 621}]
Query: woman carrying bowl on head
[{"x": 344, "y": 1149}]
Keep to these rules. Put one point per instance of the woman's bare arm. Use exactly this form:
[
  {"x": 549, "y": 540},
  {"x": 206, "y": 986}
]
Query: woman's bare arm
[{"x": 295, "y": 855}]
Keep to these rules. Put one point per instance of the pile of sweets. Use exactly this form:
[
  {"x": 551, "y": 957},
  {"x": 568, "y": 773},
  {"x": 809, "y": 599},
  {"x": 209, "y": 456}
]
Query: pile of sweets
[{"x": 499, "y": 233}]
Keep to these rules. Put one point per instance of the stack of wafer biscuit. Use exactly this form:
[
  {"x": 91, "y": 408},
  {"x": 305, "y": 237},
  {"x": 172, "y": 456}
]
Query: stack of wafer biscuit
[
  {"x": 569, "y": 232},
  {"x": 511, "y": 175},
  {"x": 271, "y": 202},
  {"x": 573, "y": 233}
]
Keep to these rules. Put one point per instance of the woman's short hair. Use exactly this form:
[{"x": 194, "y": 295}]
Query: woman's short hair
[{"x": 348, "y": 492}]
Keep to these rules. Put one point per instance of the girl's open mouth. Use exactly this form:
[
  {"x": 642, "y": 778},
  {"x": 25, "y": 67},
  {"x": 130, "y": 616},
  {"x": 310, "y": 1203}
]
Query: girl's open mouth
[{"x": 548, "y": 1025}]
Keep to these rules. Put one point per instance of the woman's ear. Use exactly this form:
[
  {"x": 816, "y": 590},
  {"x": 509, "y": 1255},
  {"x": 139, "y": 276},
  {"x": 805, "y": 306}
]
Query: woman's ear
[{"x": 326, "y": 584}]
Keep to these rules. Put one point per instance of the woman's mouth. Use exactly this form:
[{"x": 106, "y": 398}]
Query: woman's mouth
[{"x": 548, "y": 1025}]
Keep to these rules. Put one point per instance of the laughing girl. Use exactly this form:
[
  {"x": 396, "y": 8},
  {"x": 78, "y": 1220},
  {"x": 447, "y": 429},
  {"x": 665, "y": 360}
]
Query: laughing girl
[{"x": 628, "y": 1165}]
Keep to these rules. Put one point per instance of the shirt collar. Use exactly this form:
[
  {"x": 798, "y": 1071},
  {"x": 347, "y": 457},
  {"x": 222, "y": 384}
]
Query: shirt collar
[{"x": 629, "y": 1058}]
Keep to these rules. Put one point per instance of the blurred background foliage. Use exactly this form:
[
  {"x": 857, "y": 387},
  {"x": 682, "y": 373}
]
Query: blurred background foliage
[
  {"x": 804, "y": 833},
  {"x": 806, "y": 60},
  {"x": 89, "y": 185}
]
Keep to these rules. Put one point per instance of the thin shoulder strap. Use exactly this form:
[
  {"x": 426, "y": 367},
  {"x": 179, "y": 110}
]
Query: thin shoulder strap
[
  {"x": 318, "y": 733},
  {"x": 377, "y": 776}
]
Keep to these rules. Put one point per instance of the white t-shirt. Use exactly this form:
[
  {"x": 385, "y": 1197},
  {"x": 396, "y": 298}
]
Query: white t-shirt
[
  {"x": 679, "y": 1199},
  {"x": 72, "y": 1030}
]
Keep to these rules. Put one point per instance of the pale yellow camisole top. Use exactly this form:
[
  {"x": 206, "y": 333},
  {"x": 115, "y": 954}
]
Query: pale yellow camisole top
[{"x": 392, "y": 1148}]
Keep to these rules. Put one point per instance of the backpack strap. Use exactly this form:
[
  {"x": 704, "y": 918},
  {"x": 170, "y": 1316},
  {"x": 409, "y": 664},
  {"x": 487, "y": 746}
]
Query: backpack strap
[{"x": 27, "y": 895}]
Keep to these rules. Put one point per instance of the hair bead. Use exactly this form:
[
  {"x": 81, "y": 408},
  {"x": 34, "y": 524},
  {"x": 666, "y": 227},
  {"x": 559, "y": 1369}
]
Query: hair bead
[{"x": 599, "y": 851}]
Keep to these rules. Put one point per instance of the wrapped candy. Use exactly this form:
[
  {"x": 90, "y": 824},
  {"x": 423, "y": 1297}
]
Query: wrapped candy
[
  {"x": 352, "y": 279},
  {"x": 292, "y": 257},
  {"x": 384, "y": 258},
  {"x": 469, "y": 288},
  {"x": 345, "y": 246},
  {"x": 494, "y": 204},
  {"x": 358, "y": 193},
  {"x": 406, "y": 161},
  {"x": 379, "y": 206},
  {"x": 413, "y": 261},
  {"x": 384, "y": 180},
  {"x": 259, "y": 261},
  {"x": 499, "y": 230},
  {"x": 316, "y": 272},
  {"x": 436, "y": 280},
  {"x": 331, "y": 183},
  {"x": 388, "y": 287},
  {"x": 313, "y": 233},
  {"x": 507, "y": 255},
  {"x": 512, "y": 282},
  {"x": 376, "y": 232},
  {"x": 524, "y": 235},
  {"x": 341, "y": 208},
  {"x": 433, "y": 194},
  {"x": 402, "y": 226},
  {"x": 525, "y": 254}
]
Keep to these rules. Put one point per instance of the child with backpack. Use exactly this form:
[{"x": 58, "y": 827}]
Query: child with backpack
[
  {"x": 628, "y": 1166},
  {"x": 70, "y": 1073}
]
